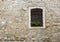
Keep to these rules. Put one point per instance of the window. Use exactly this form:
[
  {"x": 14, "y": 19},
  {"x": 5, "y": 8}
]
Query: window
[{"x": 36, "y": 17}]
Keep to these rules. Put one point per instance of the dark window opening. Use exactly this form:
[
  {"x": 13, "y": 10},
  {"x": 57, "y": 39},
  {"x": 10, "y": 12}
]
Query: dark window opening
[{"x": 36, "y": 17}]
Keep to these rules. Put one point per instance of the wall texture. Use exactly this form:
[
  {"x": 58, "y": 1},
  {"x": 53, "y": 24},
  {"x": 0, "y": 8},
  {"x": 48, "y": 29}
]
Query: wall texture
[{"x": 14, "y": 18}]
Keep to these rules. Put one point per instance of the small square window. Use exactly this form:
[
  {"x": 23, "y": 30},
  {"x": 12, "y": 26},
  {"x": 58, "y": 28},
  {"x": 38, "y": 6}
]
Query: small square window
[{"x": 36, "y": 17}]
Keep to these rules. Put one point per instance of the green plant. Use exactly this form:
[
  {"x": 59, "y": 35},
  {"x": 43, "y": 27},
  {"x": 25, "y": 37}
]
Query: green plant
[{"x": 35, "y": 23}]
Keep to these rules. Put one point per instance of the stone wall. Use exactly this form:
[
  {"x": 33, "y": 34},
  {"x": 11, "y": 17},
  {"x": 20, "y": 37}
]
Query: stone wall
[{"x": 14, "y": 18}]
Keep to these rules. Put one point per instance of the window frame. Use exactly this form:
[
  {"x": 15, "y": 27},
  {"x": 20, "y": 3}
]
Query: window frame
[{"x": 43, "y": 17}]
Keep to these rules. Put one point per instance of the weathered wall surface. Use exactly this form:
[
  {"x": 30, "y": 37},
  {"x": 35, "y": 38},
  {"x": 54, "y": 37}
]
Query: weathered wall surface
[{"x": 14, "y": 18}]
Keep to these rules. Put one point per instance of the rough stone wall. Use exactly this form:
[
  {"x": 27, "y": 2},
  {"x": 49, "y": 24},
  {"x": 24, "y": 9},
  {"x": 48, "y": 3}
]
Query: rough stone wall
[{"x": 14, "y": 18}]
